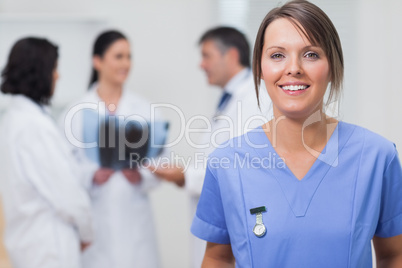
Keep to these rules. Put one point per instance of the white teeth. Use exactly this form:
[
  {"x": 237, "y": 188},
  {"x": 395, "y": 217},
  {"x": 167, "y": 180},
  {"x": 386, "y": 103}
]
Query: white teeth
[{"x": 294, "y": 87}]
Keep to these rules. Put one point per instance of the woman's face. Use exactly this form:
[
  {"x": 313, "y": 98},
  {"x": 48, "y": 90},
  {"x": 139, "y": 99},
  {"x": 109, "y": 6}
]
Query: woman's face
[
  {"x": 296, "y": 73},
  {"x": 115, "y": 63}
]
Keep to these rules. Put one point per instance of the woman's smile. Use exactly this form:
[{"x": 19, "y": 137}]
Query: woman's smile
[{"x": 294, "y": 88}]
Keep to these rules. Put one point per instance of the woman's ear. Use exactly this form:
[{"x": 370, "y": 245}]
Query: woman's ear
[{"x": 96, "y": 62}]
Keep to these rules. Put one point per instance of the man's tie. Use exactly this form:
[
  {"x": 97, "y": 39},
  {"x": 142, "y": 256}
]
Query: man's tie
[{"x": 224, "y": 101}]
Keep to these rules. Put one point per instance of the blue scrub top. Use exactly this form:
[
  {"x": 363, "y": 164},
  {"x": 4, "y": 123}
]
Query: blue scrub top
[{"x": 352, "y": 192}]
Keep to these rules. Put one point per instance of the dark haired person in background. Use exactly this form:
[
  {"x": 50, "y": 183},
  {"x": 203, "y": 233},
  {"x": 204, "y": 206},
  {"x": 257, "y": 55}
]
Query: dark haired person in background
[
  {"x": 123, "y": 219},
  {"x": 47, "y": 210},
  {"x": 226, "y": 62}
]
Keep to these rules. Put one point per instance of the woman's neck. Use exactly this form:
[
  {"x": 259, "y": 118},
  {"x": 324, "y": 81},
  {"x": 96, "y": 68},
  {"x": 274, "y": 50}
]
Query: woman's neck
[
  {"x": 291, "y": 136},
  {"x": 110, "y": 93}
]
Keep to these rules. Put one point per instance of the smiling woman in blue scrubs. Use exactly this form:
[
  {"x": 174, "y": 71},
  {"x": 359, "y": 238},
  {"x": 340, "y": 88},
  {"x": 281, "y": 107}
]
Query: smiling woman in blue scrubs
[{"x": 303, "y": 190}]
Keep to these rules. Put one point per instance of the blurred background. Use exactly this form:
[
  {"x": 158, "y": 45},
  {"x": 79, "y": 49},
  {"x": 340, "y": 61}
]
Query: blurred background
[{"x": 164, "y": 36}]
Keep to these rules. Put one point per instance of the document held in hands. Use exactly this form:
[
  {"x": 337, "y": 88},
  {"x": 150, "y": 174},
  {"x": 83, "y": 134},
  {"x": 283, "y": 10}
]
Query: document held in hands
[{"x": 126, "y": 144}]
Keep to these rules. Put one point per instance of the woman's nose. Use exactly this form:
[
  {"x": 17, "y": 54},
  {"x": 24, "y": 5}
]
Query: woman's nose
[{"x": 294, "y": 67}]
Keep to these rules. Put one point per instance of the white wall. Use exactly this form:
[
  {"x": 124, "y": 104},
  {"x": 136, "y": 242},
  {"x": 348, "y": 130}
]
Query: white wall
[{"x": 378, "y": 102}]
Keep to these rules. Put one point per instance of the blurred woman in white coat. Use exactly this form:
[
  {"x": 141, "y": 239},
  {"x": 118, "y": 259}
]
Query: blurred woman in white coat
[
  {"x": 124, "y": 230},
  {"x": 47, "y": 210}
]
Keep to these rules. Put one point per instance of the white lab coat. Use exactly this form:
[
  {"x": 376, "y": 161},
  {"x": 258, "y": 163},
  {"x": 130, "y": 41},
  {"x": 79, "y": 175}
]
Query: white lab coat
[
  {"x": 123, "y": 218},
  {"x": 47, "y": 210},
  {"x": 240, "y": 107}
]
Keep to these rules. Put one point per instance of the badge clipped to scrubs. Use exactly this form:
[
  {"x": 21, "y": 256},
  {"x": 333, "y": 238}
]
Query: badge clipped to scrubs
[{"x": 259, "y": 228}]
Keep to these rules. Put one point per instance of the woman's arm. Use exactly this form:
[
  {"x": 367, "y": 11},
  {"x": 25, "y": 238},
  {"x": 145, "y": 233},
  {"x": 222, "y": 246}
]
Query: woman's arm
[
  {"x": 388, "y": 251},
  {"x": 219, "y": 256}
]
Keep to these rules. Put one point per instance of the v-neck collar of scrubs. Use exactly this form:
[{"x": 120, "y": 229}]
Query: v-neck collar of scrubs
[{"x": 299, "y": 193}]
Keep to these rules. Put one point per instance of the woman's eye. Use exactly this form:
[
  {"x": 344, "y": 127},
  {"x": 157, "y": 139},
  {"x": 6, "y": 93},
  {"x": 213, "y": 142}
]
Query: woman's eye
[
  {"x": 311, "y": 55},
  {"x": 276, "y": 56},
  {"x": 122, "y": 56}
]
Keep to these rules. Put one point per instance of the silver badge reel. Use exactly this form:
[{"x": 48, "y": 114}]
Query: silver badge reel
[{"x": 259, "y": 228}]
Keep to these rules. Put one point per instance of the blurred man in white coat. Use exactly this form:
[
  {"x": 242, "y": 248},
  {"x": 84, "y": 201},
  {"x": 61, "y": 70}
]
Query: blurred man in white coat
[{"x": 226, "y": 62}]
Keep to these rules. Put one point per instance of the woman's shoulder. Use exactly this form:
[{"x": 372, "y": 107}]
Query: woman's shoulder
[
  {"x": 135, "y": 97},
  {"x": 87, "y": 100},
  {"x": 134, "y": 103},
  {"x": 23, "y": 111},
  {"x": 20, "y": 127},
  {"x": 368, "y": 139},
  {"x": 246, "y": 143}
]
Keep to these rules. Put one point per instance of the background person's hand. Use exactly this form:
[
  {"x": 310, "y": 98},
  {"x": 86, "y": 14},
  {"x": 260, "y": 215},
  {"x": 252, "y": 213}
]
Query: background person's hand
[
  {"x": 132, "y": 175},
  {"x": 84, "y": 245},
  {"x": 102, "y": 175},
  {"x": 170, "y": 174}
]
